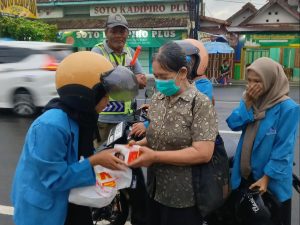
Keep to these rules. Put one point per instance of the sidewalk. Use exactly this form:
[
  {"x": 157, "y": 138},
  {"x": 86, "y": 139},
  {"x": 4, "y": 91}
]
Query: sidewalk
[
  {"x": 244, "y": 82},
  {"x": 106, "y": 222}
]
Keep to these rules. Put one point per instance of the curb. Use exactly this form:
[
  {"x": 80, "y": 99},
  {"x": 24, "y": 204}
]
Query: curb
[{"x": 243, "y": 83}]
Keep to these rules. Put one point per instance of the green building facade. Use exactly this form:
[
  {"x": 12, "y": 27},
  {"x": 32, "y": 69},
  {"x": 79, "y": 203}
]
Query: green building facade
[{"x": 282, "y": 47}]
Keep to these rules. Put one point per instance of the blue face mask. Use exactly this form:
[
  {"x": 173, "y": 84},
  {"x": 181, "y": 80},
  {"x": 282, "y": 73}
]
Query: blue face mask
[{"x": 167, "y": 87}]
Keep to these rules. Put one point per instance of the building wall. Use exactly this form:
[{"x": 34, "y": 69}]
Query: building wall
[
  {"x": 281, "y": 47},
  {"x": 293, "y": 2},
  {"x": 239, "y": 19},
  {"x": 75, "y": 10},
  {"x": 274, "y": 14}
]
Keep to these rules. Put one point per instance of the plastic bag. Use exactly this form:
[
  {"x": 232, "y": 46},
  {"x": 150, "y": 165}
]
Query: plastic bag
[{"x": 108, "y": 182}]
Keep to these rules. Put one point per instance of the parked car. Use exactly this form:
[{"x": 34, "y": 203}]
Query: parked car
[{"x": 27, "y": 74}]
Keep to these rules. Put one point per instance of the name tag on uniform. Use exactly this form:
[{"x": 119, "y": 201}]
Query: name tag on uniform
[{"x": 115, "y": 106}]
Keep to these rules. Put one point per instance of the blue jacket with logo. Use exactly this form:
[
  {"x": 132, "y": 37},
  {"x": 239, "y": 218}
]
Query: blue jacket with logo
[
  {"x": 273, "y": 148},
  {"x": 47, "y": 169}
]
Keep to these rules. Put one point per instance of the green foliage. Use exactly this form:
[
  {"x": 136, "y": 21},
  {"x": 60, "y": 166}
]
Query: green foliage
[{"x": 27, "y": 30}]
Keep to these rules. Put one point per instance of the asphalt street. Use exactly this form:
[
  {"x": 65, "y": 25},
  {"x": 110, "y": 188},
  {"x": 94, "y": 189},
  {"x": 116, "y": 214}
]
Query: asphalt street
[{"x": 13, "y": 131}]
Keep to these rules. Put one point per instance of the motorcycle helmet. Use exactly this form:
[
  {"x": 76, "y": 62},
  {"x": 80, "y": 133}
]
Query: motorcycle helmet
[
  {"x": 193, "y": 62},
  {"x": 254, "y": 208},
  {"x": 83, "y": 78},
  {"x": 195, "y": 48}
]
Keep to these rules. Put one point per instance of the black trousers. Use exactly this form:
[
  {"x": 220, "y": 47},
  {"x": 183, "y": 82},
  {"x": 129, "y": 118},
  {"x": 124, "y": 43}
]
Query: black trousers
[
  {"x": 286, "y": 212},
  {"x": 138, "y": 199},
  {"x": 78, "y": 215},
  {"x": 159, "y": 214}
]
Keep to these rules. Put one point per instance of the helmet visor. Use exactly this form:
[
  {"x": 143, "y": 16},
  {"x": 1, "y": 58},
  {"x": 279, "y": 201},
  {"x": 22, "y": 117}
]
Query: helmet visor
[{"x": 120, "y": 84}]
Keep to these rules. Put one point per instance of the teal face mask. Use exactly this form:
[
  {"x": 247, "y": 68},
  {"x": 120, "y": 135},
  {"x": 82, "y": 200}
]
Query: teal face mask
[{"x": 167, "y": 87}]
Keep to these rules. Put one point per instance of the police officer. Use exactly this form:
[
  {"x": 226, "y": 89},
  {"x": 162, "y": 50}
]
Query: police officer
[{"x": 115, "y": 49}]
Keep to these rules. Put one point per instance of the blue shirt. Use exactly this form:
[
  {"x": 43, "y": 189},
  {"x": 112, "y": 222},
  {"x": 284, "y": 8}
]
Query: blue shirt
[
  {"x": 146, "y": 123},
  {"x": 205, "y": 86}
]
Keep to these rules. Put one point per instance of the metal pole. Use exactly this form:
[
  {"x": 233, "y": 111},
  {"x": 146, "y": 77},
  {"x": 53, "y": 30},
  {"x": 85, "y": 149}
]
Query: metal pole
[
  {"x": 196, "y": 16},
  {"x": 191, "y": 16}
]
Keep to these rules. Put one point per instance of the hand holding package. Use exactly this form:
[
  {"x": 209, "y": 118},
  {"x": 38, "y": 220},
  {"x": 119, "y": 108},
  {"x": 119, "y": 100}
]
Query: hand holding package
[{"x": 108, "y": 182}]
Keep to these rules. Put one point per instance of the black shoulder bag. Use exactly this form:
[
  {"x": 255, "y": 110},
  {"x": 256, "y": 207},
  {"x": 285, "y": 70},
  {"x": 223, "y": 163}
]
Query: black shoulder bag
[{"x": 211, "y": 180}]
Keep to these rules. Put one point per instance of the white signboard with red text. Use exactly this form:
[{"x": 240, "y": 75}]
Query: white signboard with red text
[{"x": 138, "y": 8}]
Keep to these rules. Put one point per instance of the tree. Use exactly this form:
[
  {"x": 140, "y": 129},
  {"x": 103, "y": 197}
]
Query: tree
[{"x": 27, "y": 30}]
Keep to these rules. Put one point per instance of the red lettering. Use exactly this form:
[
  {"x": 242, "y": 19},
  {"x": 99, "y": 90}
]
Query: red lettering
[
  {"x": 178, "y": 8},
  {"x": 122, "y": 9},
  {"x": 146, "y": 8},
  {"x": 96, "y": 10},
  {"x": 102, "y": 10},
  {"x": 108, "y": 9},
  {"x": 185, "y": 7},
  {"x": 173, "y": 7},
  {"x": 129, "y": 9},
  {"x": 151, "y": 8},
  {"x": 113, "y": 9},
  {"x": 136, "y": 9},
  {"x": 162, "y": 8}
]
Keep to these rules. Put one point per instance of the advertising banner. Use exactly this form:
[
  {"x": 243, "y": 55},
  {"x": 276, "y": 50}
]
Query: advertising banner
[
  {"x": 140, "y": 8},
  {"x": 23, "y": 8},
  {"x": 145, "y": 38}
]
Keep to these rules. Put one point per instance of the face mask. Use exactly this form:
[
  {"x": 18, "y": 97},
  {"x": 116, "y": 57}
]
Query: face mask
[{"x": 167, "y": 87}]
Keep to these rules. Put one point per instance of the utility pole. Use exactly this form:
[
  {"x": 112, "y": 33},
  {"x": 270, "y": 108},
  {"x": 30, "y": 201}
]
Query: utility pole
[{"x": 194, "y": 6}]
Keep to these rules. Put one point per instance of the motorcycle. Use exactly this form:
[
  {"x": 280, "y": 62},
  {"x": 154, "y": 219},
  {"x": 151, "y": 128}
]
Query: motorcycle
[
  {"x": 226, "y": 215},
  {"x": 117, "y": 212}
]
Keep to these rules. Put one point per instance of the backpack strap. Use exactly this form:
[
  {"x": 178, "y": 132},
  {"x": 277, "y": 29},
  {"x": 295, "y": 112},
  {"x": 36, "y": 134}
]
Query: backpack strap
[{"x": 193, "y": 104}]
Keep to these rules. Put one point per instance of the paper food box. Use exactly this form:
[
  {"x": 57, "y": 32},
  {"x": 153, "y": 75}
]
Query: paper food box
[{"x": 128, "y": 153}]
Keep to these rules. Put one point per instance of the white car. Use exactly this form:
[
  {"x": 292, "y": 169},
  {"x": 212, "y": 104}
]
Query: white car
[{"x": 27, "y": 74}]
